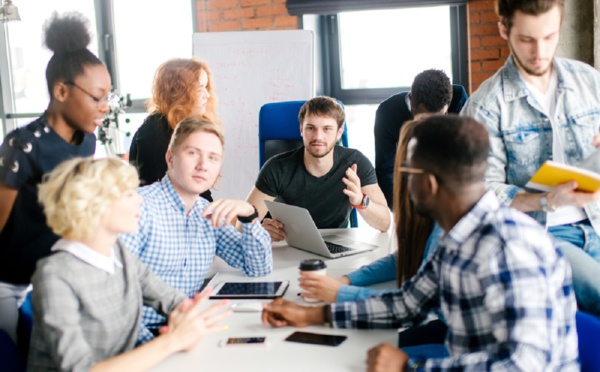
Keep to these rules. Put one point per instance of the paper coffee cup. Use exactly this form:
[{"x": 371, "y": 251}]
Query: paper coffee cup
[{"x": 313, "y": 266}]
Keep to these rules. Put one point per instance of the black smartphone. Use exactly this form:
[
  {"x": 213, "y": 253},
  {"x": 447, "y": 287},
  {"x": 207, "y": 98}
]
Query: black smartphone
[
  {"x": 316, "y": 338},
  {"x": 244, "y": 341}
]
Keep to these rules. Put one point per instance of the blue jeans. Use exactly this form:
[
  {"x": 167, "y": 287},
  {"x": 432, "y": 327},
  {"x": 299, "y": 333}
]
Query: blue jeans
[{"x": 581, "y": 246}]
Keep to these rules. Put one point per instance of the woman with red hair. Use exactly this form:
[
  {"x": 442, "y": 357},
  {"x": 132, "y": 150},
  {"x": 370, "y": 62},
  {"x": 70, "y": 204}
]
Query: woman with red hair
[{"x": 182, "y": 87}]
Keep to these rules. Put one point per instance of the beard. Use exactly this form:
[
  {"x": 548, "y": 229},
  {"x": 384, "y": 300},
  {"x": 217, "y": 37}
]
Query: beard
[
  {"x": 318, "y": 154},
  {"x": 524, "y": 66}
]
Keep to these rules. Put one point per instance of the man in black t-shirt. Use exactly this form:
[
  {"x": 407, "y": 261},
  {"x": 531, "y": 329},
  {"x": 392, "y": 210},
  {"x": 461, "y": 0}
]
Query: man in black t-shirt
[{"x": 326, "y": 179}]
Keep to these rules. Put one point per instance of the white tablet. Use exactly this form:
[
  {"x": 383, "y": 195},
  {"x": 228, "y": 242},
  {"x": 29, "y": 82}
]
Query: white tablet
[{"x": 249, "y": 290}]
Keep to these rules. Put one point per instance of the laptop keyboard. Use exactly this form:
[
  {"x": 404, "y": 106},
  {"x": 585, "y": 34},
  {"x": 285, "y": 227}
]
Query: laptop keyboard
[{"x": 336, "y": 248}]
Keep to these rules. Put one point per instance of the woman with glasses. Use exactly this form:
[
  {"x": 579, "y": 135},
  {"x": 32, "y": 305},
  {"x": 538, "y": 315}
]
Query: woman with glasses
[
  {"x": 79, "y": 86},
  {"x": 183, "y": 87}
]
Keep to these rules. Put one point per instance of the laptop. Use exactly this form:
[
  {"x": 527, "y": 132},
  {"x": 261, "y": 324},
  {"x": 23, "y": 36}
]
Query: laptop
[{"x": 302, "y": 233}]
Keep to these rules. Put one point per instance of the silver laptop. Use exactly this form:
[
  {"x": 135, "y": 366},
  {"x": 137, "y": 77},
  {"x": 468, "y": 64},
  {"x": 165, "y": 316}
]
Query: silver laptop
[{"x": 302, "y": 233}]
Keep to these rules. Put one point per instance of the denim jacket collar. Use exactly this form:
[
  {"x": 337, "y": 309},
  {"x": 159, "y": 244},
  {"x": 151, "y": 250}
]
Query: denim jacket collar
[{"x": 514, "y": 84}]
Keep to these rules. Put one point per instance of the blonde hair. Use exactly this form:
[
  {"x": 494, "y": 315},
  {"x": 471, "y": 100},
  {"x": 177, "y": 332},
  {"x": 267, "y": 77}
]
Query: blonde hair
[
  {"x": 193, "y": 124},
  {"x": 79, "y": 192}
]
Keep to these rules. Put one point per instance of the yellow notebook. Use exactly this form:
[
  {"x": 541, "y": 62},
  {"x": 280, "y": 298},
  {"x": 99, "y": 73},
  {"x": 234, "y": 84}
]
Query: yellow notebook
[{"x": 552, "y": 174}]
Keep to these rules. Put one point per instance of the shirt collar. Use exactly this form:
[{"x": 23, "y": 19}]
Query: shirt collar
[
  {"x": 88, "y": 255},
  {"x": 465, "y": 227},
  {"x": 175, "y": 199}
]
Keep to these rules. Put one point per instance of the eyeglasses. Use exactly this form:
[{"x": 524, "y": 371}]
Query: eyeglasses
[
  {"x": 99, "y": 101},
  {"x": 410, "y": 170}
]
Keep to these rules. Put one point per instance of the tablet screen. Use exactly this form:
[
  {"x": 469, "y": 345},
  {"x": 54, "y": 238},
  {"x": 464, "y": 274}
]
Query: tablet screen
[{"x": 250, "y": 290}]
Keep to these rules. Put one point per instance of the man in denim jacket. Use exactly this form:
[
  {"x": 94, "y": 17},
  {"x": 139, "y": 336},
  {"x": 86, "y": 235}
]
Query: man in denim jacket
[{"x": 538, "y": 107}]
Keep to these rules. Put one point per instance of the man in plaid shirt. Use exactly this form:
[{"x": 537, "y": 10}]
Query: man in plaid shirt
[
  {"x": 502, "y": 287},
  {"x": 180, "y": 233}
]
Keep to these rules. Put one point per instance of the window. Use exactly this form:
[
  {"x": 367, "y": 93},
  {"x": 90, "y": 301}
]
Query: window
[
  {"x": 160, "y": 33},
  {"x": 132, "y": 54},
  {"x": 387, "y": 48},
  {"x": 369, "y": 55},
  {"x": 28, "y": 57}
]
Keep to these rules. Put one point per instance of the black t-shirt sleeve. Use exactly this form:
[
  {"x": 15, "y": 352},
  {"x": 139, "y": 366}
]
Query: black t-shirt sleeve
[
  {"x": 16, "y": 153},
  {"x": 268, "y": 178},
  {"x": 365, "y": 170}
]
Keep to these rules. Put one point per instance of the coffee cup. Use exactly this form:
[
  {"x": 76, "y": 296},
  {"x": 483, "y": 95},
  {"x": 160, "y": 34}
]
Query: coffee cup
[{"x": 313, "y": 266}]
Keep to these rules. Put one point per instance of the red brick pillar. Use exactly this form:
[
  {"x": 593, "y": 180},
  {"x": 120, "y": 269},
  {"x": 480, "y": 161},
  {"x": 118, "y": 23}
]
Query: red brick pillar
[
  {"x": 487, "y": 50},
  {"x": 243, "y": 15}
]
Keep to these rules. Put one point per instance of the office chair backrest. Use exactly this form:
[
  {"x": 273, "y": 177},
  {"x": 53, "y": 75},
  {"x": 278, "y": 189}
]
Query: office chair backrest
[
  {"x": 10, "y": 359},
  {"x": 588, "y": 329},
  {"x": 279, "y": 129}
]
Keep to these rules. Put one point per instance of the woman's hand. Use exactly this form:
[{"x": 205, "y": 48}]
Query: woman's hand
[
  {"x": 321, "y": 287},
  {"x": 187, "y": 325}
]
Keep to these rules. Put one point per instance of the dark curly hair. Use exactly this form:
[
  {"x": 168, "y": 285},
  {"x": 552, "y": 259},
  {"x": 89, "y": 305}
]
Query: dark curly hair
[
  {"x": 506, "y": 8},
  {"x": 454, "y": 148},
  {"x": 432, "y": 89},
  {"x": 67, "y": 36}
]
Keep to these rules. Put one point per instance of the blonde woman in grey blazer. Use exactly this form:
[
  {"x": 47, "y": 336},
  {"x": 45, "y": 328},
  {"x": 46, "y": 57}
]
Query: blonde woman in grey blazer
[{"x": 88, "y": 295}]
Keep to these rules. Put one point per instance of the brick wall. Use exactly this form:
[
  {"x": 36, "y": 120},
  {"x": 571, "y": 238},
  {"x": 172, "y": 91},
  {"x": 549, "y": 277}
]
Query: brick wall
[
  {"x": 487, "y": 50},
  {"x": 243, "y": 15}
]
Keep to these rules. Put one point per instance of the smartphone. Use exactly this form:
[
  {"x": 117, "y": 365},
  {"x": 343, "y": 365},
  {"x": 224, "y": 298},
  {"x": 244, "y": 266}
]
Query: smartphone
[
  {"x": 244, "y": 341},
  {"x": 316, "y": 338}
]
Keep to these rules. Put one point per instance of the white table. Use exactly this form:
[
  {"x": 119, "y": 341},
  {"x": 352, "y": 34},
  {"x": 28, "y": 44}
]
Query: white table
[{"x": 281, "y": 355}]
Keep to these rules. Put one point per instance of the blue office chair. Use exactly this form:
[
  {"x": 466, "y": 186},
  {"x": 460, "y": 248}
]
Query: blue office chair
[
  {"x": 25, "y": 325},
  {"x": 10, "y": 359},
  {"x": 279, "y": 131},
  {"x": 588, "y": 330}
]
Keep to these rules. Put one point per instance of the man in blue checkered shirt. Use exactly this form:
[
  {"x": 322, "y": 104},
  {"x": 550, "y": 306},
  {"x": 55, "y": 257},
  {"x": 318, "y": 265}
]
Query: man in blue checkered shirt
[
  {"x": 503, "y": 288},
  {"x": 180, "y": 232}
]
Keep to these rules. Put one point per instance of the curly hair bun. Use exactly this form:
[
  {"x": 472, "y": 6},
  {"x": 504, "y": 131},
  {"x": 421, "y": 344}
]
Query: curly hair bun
[{"x": 67, "y": 33}]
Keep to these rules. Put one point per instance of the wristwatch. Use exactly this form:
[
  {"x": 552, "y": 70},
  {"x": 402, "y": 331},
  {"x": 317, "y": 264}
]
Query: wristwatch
[
  {"x": 546, "y": 207},
  {"x": 364, "y": 203},
  {"x": 416, "y": 363},
  {"x": 250, "y": 218}
]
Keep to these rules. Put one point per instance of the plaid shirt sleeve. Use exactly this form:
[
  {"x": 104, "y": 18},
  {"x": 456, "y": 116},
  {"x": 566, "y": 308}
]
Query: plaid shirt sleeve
[
  {"x": 249, "y": 251},
  {"x": 526, "y": 301},
  {"x": 401, "y": 308}
]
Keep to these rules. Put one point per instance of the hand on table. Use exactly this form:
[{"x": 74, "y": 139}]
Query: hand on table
[
  {"x": 187, "y": 325},
  {"x": 274, "y": 228},
  {"x": 281, "y": 312},
  {"x": 386, "y": 358},
  {"x": 321, "y": 287}
]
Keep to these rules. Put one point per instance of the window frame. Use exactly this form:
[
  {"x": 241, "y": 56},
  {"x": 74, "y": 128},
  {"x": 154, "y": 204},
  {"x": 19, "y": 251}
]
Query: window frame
[
  {"x": 329, "y": 35},
  {"x": 107, "y": 53}
]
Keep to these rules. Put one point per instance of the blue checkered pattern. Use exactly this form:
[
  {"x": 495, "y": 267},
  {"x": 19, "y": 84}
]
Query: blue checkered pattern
[
  {"x": 180, "y": 248},
  {"x": 503, "y": 288}
]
